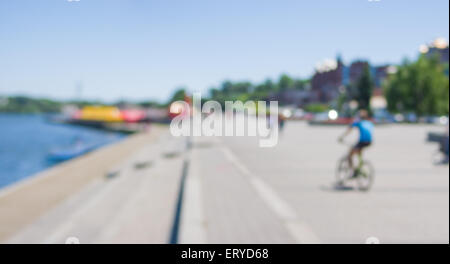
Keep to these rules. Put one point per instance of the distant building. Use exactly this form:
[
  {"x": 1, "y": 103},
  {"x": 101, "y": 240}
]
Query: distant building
[
  {"x": 442, "y": 53},
  {"x": 293, "y": 97},
  {"x": 356, "y": 70},
  {"x": 438, "y": 47},
  {"x": 327, "y": 83},
  {"x": 381, "y": 73}
]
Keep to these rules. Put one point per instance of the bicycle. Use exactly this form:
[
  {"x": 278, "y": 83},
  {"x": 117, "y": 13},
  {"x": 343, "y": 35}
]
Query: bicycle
[{"x": 363, "y": 174}]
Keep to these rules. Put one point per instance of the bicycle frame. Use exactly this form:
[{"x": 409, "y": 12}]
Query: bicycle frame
[
  {"x": 360, "y": 162},
  {"x": 363, "y": 176},
  {"x": 360, "y": 157}
]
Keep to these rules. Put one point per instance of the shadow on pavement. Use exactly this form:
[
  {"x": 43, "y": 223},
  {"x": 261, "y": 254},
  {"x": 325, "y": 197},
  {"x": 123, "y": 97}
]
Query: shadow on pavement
[{"x": 337, "y": 188}]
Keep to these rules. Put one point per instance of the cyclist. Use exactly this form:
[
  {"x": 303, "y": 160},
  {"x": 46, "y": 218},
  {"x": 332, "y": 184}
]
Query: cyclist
[{"x": 365, "y": 127}]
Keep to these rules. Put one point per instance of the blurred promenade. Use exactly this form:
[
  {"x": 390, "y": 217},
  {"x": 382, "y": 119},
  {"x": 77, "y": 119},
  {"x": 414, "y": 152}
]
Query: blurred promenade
[{"x": 235, "y": 192}]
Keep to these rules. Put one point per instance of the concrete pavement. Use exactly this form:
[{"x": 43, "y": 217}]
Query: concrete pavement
[
  {"x": 131, "y": 202},
  {"x": 236, "y": 192},
  {"x": 409, "y": 202}
]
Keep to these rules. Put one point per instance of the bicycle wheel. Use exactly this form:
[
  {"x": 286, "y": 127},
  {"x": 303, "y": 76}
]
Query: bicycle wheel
[
  {"x": 343, "y": 171},
  {"x": 366, "y": 176}
]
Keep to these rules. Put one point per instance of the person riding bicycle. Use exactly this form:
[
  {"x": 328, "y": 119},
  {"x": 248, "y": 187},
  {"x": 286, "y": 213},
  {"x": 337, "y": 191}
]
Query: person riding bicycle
[{"x": 365, "y": 127}]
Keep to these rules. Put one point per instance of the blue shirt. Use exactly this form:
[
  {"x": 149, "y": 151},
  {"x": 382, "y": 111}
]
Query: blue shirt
[{"x": 365, "y": 130}]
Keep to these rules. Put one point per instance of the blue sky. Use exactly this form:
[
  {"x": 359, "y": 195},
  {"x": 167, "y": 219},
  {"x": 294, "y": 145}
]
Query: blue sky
[{"x": 143, "y": 49}]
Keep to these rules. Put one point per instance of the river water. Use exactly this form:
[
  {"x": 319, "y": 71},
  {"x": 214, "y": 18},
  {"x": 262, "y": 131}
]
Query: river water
[{"x": 27, "y": 140}]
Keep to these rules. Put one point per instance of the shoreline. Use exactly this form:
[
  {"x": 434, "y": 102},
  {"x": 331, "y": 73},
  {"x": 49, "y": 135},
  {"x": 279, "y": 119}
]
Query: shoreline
[
  {"x": 32, "y": 145},
  {"x": 23, "y": 202}
]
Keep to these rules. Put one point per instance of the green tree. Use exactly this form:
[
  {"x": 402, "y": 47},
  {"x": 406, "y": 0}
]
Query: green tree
[
  {"x": 232, "y": 91},
  {"x": 364, "y": 89},
  {"x": 178, "y": 95},
  {"x": 301, "y": 84},
  {"x": 421, "y": 87},
  {"x": 316, "y": 108},
  {"x": 227, "y": 88},
  {"x": 286, "y": 83},
  {"x": 23, "y": 104}
]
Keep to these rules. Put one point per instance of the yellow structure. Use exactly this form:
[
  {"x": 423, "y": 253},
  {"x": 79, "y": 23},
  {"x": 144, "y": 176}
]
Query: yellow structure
[{"x": 101, "y": 114}]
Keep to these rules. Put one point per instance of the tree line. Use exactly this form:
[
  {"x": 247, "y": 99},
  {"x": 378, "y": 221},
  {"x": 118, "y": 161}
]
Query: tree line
[{"x": 420, "y": 87}]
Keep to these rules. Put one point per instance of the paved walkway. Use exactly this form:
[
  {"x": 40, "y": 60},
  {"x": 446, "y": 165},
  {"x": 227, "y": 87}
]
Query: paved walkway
[
  {"x": 129, "y": 200},
  {"x": 230, "y": 209},
  {"x": 286, "y": 194},
  {"x": 236, "y": 192}
]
